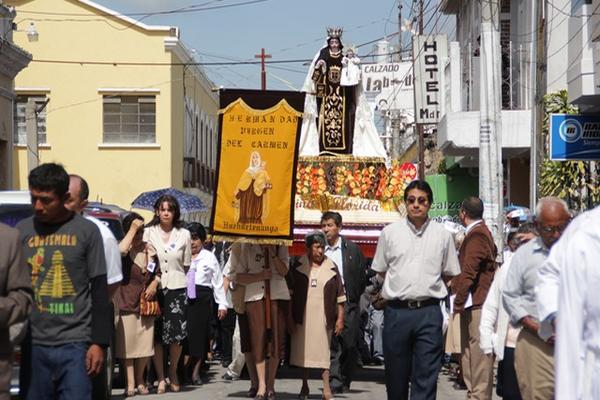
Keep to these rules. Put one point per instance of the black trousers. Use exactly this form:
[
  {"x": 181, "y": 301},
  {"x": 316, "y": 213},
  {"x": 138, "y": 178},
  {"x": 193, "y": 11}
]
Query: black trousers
[
  {"x": 226, "y": 328},
  {"x": 344, "y": 349},
  {"x": 508, "y": 386},
  {"x": 412, "y": 350}
]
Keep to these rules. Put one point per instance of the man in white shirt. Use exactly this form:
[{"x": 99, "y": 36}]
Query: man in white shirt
[
  {"x": 534, "y": 357},
  {"x": 79, "y": 192},
  {"x": 414, "y": 256},
  {"x": 577, "y": 351}
]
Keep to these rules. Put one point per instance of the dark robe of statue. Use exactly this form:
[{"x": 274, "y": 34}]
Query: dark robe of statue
[{"x": 336, "y": 106}]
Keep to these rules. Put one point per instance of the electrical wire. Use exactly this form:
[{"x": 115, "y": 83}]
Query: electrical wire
[{"x": 188, "y": 9}]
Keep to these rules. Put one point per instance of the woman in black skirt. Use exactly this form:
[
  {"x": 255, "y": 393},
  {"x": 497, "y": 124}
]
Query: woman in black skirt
[
  {"x": 208, "y": 279},
  {"x": 172, "y": 246}
]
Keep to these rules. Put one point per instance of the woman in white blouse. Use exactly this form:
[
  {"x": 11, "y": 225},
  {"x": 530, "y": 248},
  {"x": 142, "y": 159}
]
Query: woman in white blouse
[
  {"x": 208, "y": 280},
  {"x": 173, "y": 252}
]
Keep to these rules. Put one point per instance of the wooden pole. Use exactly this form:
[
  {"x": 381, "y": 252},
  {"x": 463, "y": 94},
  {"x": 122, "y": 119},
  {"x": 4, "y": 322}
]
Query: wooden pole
[{"x": 268, "y": 322}]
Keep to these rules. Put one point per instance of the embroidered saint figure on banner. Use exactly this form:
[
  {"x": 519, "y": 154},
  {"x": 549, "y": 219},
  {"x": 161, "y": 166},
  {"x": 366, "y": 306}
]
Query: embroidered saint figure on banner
[{"x": 251, "y": 194}]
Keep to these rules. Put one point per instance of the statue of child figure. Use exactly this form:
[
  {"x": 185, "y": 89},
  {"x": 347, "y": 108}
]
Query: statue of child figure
[{"x": 351, "y": 73}]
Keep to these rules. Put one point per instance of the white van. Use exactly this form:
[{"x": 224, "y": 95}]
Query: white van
[{"x": 15, "y": 205}]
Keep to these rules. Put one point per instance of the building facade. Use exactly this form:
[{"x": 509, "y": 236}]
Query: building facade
[
  {"x": 583, "y": 74},
  {"x": 126, "y": 107},
  {"x": 12, "y": 60},
  {"x": 459, "y": 128}
]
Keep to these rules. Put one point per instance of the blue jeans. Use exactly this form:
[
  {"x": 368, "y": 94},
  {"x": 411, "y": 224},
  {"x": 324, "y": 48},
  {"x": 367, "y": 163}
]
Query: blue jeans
[
  {"x": 412, "y": 351},
  {"x": 58, "y": 372}
]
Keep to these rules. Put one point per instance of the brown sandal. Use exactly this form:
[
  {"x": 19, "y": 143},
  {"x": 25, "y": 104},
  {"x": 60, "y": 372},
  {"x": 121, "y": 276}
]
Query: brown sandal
[
  {"x": 162, "y": 387},
  {"x": 143, "y": 390}
]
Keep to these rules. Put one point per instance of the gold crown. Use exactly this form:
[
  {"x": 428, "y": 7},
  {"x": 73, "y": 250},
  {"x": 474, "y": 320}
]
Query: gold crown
[{"x": 334, "y": 32}]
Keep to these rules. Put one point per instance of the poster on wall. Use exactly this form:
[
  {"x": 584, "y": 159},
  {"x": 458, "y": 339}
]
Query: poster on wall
[
  {"x": 388, "y": 86},
  {"x": 259, "y": 134}
]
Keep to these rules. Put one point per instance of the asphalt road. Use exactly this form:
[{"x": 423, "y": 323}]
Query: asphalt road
[{"x": 368, "y": 386}]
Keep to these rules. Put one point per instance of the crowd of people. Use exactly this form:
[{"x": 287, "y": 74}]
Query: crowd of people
[{"x": 171, "y": 295}]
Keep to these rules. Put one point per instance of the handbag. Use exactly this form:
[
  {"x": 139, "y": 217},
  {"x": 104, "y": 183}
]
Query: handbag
[{"x": 148, "y": 308}]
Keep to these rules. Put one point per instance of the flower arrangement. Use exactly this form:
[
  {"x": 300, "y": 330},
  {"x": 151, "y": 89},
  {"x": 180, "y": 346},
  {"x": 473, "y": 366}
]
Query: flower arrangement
[{"x": 362, "y": 179}]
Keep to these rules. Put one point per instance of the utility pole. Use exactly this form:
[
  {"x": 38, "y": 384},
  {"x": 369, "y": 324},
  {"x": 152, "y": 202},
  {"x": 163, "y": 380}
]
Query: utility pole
[
  {"x": 399, "y": 31},
  {"x": 263, "y": 70},
  {"x": 420, "y": 130},
  {"x": 490, "y": 123},
  {"x": 538, "y": 89}
]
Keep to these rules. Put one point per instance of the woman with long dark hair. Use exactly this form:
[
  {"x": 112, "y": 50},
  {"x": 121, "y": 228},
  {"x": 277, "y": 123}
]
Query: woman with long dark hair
[{"x": 174, "y": 252}]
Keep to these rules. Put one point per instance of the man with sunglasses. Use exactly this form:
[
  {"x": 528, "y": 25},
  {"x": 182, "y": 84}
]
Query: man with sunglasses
[
  {"x": 477, "y": 256},
  {"x": 534, "y": 360},
  {"x": 413, "y": 257}
]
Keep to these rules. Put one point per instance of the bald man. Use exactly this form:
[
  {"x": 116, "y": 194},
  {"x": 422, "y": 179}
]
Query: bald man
[
  {"x": 78, "y": 200},
  {"x": 534, "y": 356}
]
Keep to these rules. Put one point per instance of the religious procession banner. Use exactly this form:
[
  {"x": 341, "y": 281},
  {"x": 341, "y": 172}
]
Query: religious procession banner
[{"x": 259, "y": 133}]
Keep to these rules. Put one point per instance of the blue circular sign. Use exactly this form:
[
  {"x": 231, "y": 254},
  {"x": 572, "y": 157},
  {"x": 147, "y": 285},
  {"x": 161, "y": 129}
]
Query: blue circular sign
[{"x": 570, "y": 130}]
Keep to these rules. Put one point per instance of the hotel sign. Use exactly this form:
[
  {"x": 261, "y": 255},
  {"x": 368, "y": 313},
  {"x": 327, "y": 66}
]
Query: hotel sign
[{"x": 429, "y": 54}]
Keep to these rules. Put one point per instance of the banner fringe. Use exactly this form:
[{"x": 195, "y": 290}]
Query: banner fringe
[
  {"x": 251, "y": 240},
  {"x": 282, "y": 103},
  {"x": 341, "y": 159}
]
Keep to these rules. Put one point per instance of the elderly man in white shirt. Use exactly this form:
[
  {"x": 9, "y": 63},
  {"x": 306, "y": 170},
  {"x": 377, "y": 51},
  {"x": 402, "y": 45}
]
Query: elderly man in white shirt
[
  {"x": 534, "y": 360},
  {"x": 578, "y": 319},
  {"x": 78, "y": 200},
  {"x": 79, "y": 192}
]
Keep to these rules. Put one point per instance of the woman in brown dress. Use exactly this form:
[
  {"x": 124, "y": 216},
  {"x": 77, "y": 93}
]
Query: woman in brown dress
[
  {"x": 317, "y": 310},
  {"x": 134, "y": 332}
]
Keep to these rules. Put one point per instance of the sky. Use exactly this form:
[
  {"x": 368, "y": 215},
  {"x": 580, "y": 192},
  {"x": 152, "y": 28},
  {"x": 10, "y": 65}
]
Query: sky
[{"x": 287, "y": 29}]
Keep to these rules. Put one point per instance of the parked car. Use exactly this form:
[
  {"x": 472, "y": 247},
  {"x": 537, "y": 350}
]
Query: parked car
[{"x": 110, "y": 218}]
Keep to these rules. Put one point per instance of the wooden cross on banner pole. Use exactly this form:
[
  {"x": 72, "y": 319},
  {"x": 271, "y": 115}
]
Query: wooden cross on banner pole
[{"x": 263, "y": 71}]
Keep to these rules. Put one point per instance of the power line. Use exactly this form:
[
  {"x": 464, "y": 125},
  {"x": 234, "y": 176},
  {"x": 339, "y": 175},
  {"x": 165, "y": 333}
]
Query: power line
[{"x": 188, "y": 9}]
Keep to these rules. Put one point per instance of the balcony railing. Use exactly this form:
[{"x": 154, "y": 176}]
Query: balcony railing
[{"x": 515, "y": 75}]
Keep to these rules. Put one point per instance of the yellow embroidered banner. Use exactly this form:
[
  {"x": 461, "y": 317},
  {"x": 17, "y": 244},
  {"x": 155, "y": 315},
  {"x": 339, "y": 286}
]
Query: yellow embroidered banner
[{"x": 256, "y": 169}]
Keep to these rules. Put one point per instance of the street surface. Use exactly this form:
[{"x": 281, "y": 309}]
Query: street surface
[{"x": 368, "y": 386}]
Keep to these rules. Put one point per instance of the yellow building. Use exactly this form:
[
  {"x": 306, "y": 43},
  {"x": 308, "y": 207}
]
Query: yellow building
[
  {"x": 125, "y": 108},
  {"x": 12, "y": 60}
]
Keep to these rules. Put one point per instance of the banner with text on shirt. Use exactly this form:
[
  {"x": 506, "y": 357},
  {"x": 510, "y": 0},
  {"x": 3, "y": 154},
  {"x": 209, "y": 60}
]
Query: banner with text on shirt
[{"x": 259, "y": 133}]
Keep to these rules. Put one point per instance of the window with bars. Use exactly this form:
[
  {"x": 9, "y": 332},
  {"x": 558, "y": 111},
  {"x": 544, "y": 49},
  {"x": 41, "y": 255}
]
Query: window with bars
[
  {"x": 20, "y": 132},
  {"x": 129, "y": 119}
]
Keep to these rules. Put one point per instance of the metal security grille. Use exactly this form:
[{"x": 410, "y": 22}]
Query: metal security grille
[
  {"x": 129, "y": 119},
  {"x": 20, "y": 132}
]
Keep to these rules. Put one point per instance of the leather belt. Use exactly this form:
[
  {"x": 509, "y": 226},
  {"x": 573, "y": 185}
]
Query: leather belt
[{"x": 413, "y": 304}]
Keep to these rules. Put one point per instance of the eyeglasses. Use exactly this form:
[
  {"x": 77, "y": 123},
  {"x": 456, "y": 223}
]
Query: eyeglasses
[
  {"x": 420, "y": 200},
  {"x": 553, "y": 229}
]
